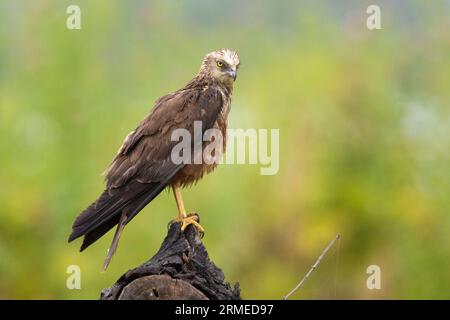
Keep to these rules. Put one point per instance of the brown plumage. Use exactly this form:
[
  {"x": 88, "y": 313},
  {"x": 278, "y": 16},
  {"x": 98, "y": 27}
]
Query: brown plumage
[{"x": 143, "y": 166}]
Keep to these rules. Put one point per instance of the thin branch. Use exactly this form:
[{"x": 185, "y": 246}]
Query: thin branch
[{"x": 314, "y": 267}]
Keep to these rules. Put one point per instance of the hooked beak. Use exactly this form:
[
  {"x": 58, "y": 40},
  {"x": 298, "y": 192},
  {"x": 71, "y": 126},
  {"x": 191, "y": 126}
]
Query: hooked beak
[{"x": 233, "y": 74}]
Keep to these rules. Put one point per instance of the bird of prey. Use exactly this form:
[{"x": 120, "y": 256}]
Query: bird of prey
[{"x": 143, "y": 166}]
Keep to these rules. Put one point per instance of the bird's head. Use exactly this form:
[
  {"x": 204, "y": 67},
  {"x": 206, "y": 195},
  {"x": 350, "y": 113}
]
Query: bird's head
[{"x": 221, "y": 65}]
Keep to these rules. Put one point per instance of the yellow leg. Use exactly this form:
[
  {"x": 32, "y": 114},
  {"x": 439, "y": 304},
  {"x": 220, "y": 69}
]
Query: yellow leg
[
  {"x": 180, "y": 203},
  {"x": 182, "y": 216}
]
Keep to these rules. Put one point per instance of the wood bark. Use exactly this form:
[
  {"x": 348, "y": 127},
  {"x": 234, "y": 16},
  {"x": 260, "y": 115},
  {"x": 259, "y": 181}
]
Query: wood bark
[{"x": 181, "y": 269}]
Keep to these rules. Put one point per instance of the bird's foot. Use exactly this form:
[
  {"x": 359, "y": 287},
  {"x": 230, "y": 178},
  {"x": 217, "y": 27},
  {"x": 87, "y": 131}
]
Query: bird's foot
[{"x": 190, "y": 219}]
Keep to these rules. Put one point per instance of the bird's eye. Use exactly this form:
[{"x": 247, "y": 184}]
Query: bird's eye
[{"x": 220, "y": 64}]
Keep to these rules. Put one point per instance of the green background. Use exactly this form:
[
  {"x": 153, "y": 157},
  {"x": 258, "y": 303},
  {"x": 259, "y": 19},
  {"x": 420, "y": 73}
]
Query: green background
[{"x": 364, "y": 119}]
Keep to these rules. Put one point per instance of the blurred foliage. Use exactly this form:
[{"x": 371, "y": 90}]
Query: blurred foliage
[{"x": 364, "y": 124}]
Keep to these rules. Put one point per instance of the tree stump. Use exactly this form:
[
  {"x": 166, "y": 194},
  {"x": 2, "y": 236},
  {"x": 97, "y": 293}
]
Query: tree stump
[{"x": 181, "y": 269}]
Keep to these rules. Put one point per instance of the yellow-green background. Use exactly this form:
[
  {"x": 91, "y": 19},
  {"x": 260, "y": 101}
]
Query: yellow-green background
[{"x": 364, "y": 119}]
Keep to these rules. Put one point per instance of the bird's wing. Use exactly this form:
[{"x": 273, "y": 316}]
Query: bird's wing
[
  {"x": 146, "y": 153},
  {"x": 143, "y": 166}
]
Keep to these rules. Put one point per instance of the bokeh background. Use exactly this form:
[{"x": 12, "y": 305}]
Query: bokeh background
[{"x": 364, "y": 119}]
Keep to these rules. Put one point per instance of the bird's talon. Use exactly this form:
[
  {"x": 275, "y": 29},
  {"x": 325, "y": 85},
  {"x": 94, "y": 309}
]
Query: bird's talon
[{"x": 186, "y": 221}]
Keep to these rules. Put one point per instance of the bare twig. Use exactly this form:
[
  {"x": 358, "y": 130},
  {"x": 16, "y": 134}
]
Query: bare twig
[{"x": 314, "y": 267}]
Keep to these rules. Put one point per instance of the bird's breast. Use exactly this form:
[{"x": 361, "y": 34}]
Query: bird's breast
[{"x": 191, "y": 173}]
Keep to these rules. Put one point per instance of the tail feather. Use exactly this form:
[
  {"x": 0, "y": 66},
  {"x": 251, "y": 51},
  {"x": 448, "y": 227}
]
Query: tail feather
[
  {"x": 115, "y": 241},
  {"x": 106, "y": 212},
  {"x": 87, "y": 218},
  {"x": 131, "y": 208},
  {"x": 97, "y": 233},
  {"x": 97, "y": 220},
  {"x": 107, "y": 206}
]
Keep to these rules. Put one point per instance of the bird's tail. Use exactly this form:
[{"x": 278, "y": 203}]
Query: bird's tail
[
  {"x": 115, "y": 241},
  {"x": 113, "y": 207}
]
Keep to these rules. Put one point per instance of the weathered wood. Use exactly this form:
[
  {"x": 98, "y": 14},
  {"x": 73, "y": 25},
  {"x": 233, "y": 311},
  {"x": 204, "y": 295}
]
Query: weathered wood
[
  {"x": 181, "y": 269},
  {"x": 160, "y": 287}
]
